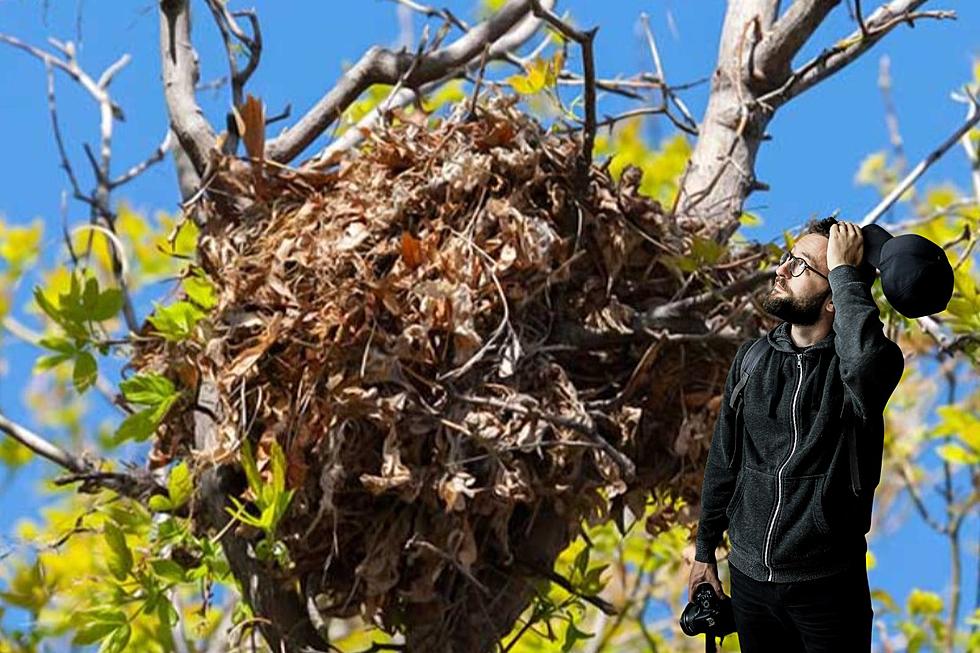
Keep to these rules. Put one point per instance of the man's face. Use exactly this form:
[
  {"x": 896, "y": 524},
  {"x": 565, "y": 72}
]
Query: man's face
[{"x": 800, "y": 300}]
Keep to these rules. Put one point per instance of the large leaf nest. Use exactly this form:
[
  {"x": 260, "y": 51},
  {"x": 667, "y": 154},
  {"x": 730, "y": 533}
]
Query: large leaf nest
[{"x": 449, "y": 336}]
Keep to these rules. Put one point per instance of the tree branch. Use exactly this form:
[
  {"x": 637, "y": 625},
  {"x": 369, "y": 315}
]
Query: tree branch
[
  {"x": 381, "y": 66},
  {"x": 774, "y": 54},
  {"x": 848, "y": 49},
  {"x": 45, "y": 449},
  {"x": 973, "y": 117},
  {"x": 135, "y": 485},
  {"x": 500, "y": 49},
  {"x": 685, "y": 307},
  {"x": 179, "y": 65}
]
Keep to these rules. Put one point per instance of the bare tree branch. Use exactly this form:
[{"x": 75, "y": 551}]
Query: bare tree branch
[
  {"x": 141, "y": 167},
  {"x": 848, "y": 49},
  {"x": 974, "y": 158},
  {"x": 499, "y": 49},
  {"x": 381, "y": 66},
  {"x": 774, "y": 54},
  {"x": 891, "y": 115},
  {"x": 179, "y": 64},
  {"x": 99, "y": 200},
  {"x": 44, "y": 448},
  {"x": 973, "y": 117},
  {"x": 133, "y": 484}
]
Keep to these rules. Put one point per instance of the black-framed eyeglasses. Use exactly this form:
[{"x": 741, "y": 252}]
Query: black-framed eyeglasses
[{"x": 798, "y": 266}]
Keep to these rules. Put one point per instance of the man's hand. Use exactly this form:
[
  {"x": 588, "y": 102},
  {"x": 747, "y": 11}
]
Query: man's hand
[
  {"x": 846, "y": 245},
  {"x": 704, "y": 572}
]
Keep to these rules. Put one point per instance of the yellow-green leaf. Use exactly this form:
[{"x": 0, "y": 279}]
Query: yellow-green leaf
[
  {"x": 119, "y": 558},
  {"x": 180, "y": 485}
]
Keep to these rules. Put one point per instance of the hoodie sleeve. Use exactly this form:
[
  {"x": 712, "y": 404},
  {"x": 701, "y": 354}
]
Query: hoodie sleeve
[
  {"x": 870, "y": 364},
  {"x": 719, "y": 478}
]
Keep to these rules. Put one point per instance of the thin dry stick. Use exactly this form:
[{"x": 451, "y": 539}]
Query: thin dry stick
[
  {"x": 972, "y": 119},
  {"x": 891, "y": 115}
]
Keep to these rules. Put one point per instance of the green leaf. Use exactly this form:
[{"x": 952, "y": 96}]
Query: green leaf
[
  {"x": 592, "y": 583},
  {"x": 45, "y": 363},
  {"x": 138, "y": 426},
  {"x": 148, "y": 389},
  {"x": 160, "y": 503},
  {"x": 250, "y": 469},
  {"x": 117, "y": 641},
  {"x": 108, "y": 305},
  {"x": 706, "y": 250},
  {"x": 180, "y": 485},
  {"x": 95, "y": 625},
  {"x": 45, "y": 305},
  {"x": 581, "y": 563},
  {"x": 573, "y": 635},
  {"x": 58, "y": 344},
  {"x": 85, "y": 373},
  {"x": 177, "y": 321},
  {"x": 120, "y": 558},
  {"x": 168, "y": 570},
  {"x": 201, "y": 291}
]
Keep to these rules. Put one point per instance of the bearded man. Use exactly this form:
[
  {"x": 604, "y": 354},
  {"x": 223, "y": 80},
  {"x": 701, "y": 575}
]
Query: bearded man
[{"x": 793, "y": 464}]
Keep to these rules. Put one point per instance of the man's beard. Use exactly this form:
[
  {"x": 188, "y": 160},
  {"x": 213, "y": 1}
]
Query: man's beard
[{"x": 799, "y": 311}]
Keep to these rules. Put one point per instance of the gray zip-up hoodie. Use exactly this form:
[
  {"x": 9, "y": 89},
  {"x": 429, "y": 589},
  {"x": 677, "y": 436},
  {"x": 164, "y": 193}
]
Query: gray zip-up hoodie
[{"x": 783, "y": 489}]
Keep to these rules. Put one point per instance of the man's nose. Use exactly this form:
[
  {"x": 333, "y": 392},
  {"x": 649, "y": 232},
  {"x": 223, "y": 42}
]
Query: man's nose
[{"x": 782, "y": 270}]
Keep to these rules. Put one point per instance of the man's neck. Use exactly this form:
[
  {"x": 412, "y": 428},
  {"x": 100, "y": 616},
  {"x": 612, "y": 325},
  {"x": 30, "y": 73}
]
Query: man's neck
[{"x": 804, "y": 336}]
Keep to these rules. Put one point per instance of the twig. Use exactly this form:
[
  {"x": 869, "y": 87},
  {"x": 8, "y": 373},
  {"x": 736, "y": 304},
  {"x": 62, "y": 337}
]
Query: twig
[
  {"x": 974, "y": 158},
  {"x": 684, "y": 307},
  {"x": 973, "y": 117},
  {"x": 860, "y": 18},
  {"x": 432, "y": 12},
  {"x": 891, "y": 116},
  {"x": 585, "y": 40},
  {"x": 99, "y": 200},
  {"x": 667, "y": 94},
  {"x": 141, "y": 167},
  {"x": 605, "y": 606},
  {"x": 918, "y": 503},
  {"x": 584, "y": 426}
]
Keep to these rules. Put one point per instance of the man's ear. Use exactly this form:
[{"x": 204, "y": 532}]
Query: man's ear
[{"x": 830, "y": 305}]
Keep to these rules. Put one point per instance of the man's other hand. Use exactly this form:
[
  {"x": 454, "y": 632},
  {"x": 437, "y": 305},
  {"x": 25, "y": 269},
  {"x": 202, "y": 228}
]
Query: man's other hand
[
  {"x": 704, "y": 572},
  {"x": 846, "y": 245}
]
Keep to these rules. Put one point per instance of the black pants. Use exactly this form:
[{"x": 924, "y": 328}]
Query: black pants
[{"x": 827, "y": 614}]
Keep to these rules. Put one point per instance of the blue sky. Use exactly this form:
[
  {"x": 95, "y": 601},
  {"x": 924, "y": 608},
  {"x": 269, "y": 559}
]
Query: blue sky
[{"x": 818, "y": 140}]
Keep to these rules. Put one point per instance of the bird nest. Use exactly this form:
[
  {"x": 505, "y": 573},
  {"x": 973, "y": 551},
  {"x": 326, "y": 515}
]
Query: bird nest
[{"x": 453, "y": 337}]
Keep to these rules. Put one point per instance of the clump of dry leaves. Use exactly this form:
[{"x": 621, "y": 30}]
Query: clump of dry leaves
[{"x": 441, "y": 332}]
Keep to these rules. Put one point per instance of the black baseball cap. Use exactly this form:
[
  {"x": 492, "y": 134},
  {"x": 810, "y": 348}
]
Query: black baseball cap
[{"x": 915, "y": 274}]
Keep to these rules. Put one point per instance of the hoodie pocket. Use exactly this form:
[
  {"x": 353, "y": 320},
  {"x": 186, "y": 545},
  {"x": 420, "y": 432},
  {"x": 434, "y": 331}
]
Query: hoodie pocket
[
  {"x": 751, "y": 510},
  {"x": 801, "y": 531},
  {"x": 736, "y": 499}
]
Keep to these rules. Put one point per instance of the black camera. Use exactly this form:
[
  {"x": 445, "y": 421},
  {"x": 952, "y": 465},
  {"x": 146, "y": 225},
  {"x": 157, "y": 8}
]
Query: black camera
[{"x": 708, "y": 614}]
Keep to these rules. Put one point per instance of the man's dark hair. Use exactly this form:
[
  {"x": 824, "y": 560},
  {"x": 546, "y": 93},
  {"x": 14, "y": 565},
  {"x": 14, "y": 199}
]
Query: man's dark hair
[{"x": 821, "y": 227}]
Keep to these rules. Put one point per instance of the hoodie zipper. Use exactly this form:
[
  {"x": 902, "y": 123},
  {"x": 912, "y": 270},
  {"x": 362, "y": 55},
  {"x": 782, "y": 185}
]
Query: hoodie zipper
[{"x": 779, "y": 474}]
